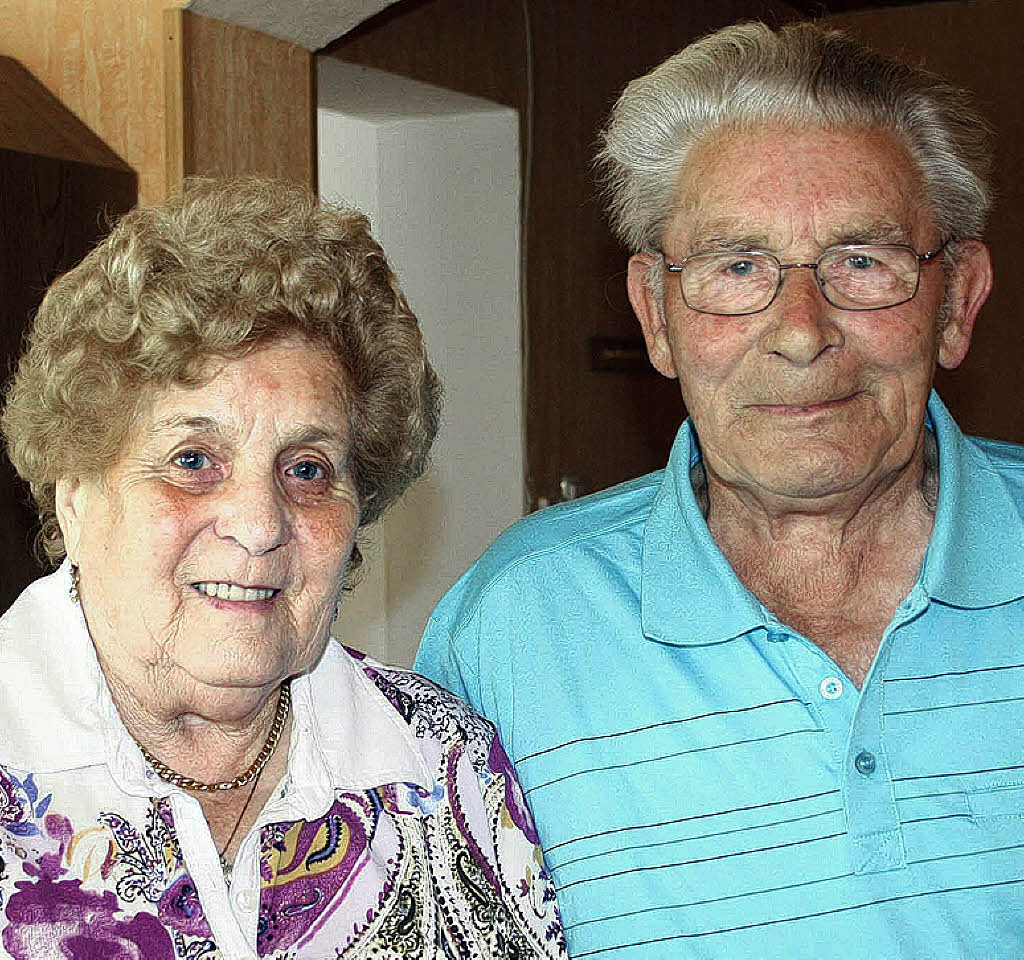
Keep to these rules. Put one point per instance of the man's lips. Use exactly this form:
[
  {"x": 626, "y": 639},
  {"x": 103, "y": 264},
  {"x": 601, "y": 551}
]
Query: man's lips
[{"x": 805, "y": 407}]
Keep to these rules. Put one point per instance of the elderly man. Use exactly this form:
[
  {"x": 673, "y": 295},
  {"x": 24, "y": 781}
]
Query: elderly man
[{"x": 768, "y": 702}]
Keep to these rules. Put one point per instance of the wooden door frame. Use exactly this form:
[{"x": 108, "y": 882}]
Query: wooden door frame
[{"x": 236, "y": 101}]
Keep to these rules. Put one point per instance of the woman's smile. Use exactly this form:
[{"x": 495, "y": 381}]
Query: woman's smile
[{"x": 234, "y": 592}]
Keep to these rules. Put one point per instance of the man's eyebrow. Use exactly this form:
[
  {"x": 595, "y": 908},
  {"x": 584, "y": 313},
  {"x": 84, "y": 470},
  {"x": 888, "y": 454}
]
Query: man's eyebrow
[
  {"x": 721, "y": 239},
  {"x": 722, "y": 242},
  {"x": 877, "y": 231}
]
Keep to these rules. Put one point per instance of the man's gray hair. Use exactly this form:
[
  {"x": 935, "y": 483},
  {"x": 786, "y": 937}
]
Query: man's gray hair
[{"x": 802, "y": 74}]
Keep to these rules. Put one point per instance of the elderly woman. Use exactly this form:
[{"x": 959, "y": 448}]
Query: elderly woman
[{"x": 209, "y": 409}]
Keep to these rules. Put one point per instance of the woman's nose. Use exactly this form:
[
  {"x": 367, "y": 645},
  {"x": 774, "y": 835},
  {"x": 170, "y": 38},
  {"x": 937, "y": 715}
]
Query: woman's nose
[
  {"x": 803, "y": 324},
  {"x": 252, "y": 512}
]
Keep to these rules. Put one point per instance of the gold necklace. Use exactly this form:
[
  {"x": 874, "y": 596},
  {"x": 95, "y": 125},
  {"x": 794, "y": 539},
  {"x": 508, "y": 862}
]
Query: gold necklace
[
  {"x": 226, "y": 864},
  {"x": 165, "y": 773}
]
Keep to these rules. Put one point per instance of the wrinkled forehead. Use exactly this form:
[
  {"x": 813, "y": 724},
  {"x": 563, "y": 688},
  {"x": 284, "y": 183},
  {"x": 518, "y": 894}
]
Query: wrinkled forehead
[
  {"x": 302, "y": 375},
  {"x": 775, "y": 185}
]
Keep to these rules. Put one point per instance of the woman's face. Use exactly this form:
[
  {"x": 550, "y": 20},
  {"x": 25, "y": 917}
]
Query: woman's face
[{"x": 213, "y": 549}]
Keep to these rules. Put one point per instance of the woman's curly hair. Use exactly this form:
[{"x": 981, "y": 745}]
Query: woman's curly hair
[{"x": 227, "y": 266}]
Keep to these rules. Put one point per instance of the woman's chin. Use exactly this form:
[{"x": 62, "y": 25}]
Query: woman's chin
[
  {"x": 248, "y": 664},
  {"x": 230, "y": 685},
  {"x": 215, "y": 700}
]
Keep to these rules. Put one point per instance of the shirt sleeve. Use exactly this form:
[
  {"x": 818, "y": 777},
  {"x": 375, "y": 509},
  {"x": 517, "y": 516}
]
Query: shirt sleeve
[
  {"x": 440, "y": 659},
  {"x": 521, "y": 877}
]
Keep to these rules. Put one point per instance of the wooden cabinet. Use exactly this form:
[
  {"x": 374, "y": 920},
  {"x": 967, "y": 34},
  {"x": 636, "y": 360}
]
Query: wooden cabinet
[{"x": 60, "y": 186}]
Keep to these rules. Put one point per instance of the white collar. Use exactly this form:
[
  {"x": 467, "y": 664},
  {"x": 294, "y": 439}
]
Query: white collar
[{"x": 56, "y": 712}]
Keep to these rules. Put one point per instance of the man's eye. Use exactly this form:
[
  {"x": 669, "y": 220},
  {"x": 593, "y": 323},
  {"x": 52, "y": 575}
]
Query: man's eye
[
  {"x": 860, "y": 261},
  {"x": 741, "y": 268},
  {"x": 307, "y": 470},
  {"x": 192, "y": 460}
]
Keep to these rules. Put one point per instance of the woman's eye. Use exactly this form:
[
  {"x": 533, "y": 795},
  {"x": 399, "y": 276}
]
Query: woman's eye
[
  {"x": 307, "y": 470},
  {"x": 192, "y": 460}
]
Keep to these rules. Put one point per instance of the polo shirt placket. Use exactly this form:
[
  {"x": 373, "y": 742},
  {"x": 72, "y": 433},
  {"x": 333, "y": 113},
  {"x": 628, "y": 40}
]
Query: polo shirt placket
[{"x": 853, "y": 723}]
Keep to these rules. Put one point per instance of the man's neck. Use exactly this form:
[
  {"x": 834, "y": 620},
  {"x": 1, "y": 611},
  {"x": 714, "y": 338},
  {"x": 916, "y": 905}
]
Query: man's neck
[
  {"x": 836, "y": 575},
  {"x": 738, "y": 514}
]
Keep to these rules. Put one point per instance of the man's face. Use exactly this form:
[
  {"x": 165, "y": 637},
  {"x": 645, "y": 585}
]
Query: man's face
[{"x": 803, "y": 400}]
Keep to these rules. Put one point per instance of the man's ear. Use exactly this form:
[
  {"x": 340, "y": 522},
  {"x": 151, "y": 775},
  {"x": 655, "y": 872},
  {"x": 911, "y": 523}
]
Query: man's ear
[
  {"x": 967, "y": 290},
  {"x": 70, "y": 507},
  {"x": 649, "y": 311}
]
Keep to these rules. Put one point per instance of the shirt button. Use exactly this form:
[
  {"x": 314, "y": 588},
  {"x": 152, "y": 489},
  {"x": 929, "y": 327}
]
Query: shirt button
[
  {"x": 248, "y": 899},
  {"x": 865, "y": 763},
  {"x": 831, "y": 688}
]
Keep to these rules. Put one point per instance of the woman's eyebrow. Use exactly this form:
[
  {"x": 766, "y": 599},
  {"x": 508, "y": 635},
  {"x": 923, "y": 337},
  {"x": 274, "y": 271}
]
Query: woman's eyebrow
[
  {"x": 313, "y": 433},
  {"x": 178, "y": 424},
  {"x": 301, "y": 434}
]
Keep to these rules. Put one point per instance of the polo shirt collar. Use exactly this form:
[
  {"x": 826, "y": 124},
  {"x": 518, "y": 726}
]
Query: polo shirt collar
[
  {"x": 690, "y": 595},
  {"x": 688, "y": 592},
  {"x": 59, "y": 715},
  {"x": 975, "y": 557}
]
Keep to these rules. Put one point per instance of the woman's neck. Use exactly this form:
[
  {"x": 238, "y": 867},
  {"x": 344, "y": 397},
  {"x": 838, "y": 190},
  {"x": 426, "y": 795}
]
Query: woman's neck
[{"x": 210, "y": 734}]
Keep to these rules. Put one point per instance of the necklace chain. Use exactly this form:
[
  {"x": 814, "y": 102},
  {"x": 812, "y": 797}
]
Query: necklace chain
[
  {"x": 226, "y": 864},
  {"x": 165, "y": 773}
]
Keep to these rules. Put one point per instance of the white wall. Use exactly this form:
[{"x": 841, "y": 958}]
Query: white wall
[{"x": 438, "y": 175}]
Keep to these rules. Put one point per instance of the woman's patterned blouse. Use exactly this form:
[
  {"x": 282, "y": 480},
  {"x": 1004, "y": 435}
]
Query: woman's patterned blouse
[{"x": 102, "y": 860}]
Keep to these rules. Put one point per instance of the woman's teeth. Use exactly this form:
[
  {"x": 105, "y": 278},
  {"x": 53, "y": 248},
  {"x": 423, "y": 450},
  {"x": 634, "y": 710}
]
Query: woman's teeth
[{"x": 232, "y": 591}]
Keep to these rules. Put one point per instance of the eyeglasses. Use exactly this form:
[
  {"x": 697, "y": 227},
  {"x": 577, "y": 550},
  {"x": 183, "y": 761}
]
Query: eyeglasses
[{"x": 859, "y": 276}]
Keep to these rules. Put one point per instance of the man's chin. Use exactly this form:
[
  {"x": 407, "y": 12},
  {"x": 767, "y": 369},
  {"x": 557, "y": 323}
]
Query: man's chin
[{"x": 799, "y": 475}]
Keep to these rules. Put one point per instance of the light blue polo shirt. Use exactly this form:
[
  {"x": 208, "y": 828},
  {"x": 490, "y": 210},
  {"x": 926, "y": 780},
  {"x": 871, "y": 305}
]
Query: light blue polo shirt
[{"x": 706, "y": 781}]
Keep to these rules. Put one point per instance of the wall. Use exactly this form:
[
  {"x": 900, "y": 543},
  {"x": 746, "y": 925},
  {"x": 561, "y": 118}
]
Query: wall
[{"x": 438, "y": 174}]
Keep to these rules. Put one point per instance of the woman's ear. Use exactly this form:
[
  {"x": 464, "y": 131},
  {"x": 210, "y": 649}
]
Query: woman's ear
[{"x": 70, "y": 507}]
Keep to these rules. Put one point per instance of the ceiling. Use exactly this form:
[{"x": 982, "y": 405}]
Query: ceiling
[{"x": 310, "y": 23}]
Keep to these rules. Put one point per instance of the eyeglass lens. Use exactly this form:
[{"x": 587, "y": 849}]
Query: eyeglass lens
[{"x": 852, "y": 277}]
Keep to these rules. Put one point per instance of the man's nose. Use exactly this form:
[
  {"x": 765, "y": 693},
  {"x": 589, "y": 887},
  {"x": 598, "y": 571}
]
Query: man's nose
[
  {"x": 802, "y": 325},
  {"x": 251, "y": 510}
]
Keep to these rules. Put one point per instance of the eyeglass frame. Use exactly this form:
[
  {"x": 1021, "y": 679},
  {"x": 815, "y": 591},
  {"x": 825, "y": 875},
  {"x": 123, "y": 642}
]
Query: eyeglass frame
[{"x": 677, "y": 269}]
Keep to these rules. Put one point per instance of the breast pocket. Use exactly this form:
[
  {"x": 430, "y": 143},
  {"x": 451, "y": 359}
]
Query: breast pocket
[{"x": 1003, "y": 802}]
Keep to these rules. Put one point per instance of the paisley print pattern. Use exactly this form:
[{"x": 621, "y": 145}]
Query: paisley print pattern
[{"x": 443, "y": 870}]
